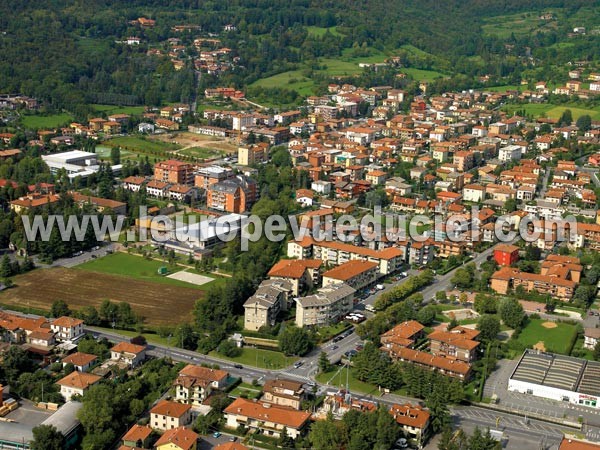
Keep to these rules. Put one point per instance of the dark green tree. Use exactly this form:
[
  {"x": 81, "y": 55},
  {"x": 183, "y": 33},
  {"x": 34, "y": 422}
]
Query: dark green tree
[
  {"x": 295, "y": 341},
  {"x": 47, "y": 437},
  {"x": 59, "y": 308}
]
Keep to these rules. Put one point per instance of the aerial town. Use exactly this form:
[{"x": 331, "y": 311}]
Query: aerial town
[{"x": 373, "y": 257}]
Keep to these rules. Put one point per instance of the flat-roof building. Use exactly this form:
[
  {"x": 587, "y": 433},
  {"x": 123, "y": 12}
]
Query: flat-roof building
[{"x": 557, "y": 377}]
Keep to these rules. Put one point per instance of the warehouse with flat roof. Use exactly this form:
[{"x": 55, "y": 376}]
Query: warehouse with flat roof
[{"x": 557, "y": 377}]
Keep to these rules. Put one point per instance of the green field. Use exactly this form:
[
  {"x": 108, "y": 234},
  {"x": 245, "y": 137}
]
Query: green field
[
  {"x": 293, "y": 80},
  {"x": 338, "y": 378},
  {"x": 256, "y": 357},
  {"x": 553, "y": 111},
  {"x": 201, "y": 152},
  {"x": 133, "y": 266},
  {"x": 113, "y": 109},
  {"x": 555, "y": 340},
  {"x": 103, "y": 153},
  {"x": 506, "y": 87},
  {"x": 141, "y": 144},
  {"x": 320, "y": 31},
  {"x": 422, "y": 75},
  {"x": 50, "y": 121},
  {"x": 250, "y": 391}
]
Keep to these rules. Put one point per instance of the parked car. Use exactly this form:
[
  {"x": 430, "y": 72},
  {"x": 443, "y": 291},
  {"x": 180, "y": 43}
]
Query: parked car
[
  {"x": 298, "y": 364},
  {"x": 216, "y": 434}
]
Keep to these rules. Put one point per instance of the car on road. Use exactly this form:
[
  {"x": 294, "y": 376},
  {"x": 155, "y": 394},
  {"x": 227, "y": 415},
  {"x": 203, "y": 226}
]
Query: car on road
[
  {"x": 233, "y": 439},
  {"x": 238, "y": 366},
  {"x": 216, "y": 434},
  {"x": 335, "y": 347},
  {"x": 298, "y": 364},
  {"x": 94, "y": 256},
  {"x": 359, "y": 347}
]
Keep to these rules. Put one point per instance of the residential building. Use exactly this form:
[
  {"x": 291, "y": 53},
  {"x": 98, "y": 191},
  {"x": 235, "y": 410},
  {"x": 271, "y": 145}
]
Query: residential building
[
  {"x": 207, "y": 176},
  {"x": 571, "y": 443},
  {"x": 180, "y": 438},
  {"x": 458, "y": 343},
  {"x": 81, "y": 361},
  {"x": 263, "y": 308},
  {"x": 510, "y": 153},
  {"x": 194, "y": 384},
  {"x": 356, "y": 273},
  {"x": 167, "y": 414},
  {"x": 67, "y": 328},
  {"x": 253, "y": 154},
  {"x": 268, "y": 419},
  {"x": 414, "y": 420},
  {"x": 285, "y": 393},
  {"x": 446, "y": 366},
  {"x": 174, "y": 172},
  {"x": 133, "y": 183},
  {"x": 506, "y": 254},
  {"x": 138, "y": 436},
  {"x": 591, "y": 336},
  {"x": 157, "y": 189},
  {"x": 508, "y": 278},
  {"x": 130, "y": 354},
  {"x": 234, "y": 195},
  {"x": 76, "y": 383},
  {"x": 99, "y": 204},
  {"x": 405, "y": 334},
  {"x": 303, "y": 274},
  {"x": 325, "y": 307}
]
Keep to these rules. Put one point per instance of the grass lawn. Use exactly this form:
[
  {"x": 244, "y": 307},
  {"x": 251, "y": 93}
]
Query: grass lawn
[
  {"x": 250, "y": 391},
  {"x": 257, "y": 357},
  {"x": 338, "y": 378},
  {"x": 293, "y": 80},
  {"x": 103, "y": 153},
  {"x": 115, "y": 109},
  {"x": 202, "y": 152},
  {"x": 150, "y": 337},
  {"x": 49, "y": 121},
  {"x": 133, "y": 266},
  {"x": 555, "y": 340},
  {"x": 326, "y": 333},
  {"x": 505, "y": 87},
  {"x": 553, "y": 111},
  {"x": 320, "y": 31},
  {"x": 422, "y": 75},
  {"x": 140, "y": 144}
]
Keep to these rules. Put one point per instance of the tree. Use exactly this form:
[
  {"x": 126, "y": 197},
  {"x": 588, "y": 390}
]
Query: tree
[
  {"x": 285, "y": 440},
  {"x": 229, "y": 349},
  {"x": 566, "y": 118},
  {"x": 485, "y": 304},
  {"x": 59, "y": 308},
  {"x": 325, "y": 435},
  {"x": 584, "y": 123},
  {"x": 115, "y": 155},
  {"x": 511, "y": 313},
  {"x": 597, "y": 351},
  {"x": 440, "y": 415},
  {"x": 46, "y": 437},
  {"x": 426, "y": 315},
  {"x": 324, "y": 364},
  {"x": 5, "y": 267},
  {"x": 295, "y": 341},
  {"x": 462, "y": 278},
  {"x": 510, "y": 205},
  {"x": 483, "y": 441},
  {"x": 489, "y": 327}
]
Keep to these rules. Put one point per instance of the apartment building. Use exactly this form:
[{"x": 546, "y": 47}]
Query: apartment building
[
  {"x": 67, "y": 328},
  {"x": 458, "y": 343},
  {"x": 327, "y": 306},
  {"x": 508, "y": 278},
  {"x": 194, "y": 384},
  {"x": 263, "y": 308},
  {"x": 303, "y": 274},
  {"x": 405, "y": 334},
  {"x": 168, "y": 414},
  {"x": 175, "y": 172},
  {"x": 414, "y": 420},
  {"x": 234, "y": 195},
  {"x": 356, "y": 273},
  {"x": 253, "y": 154},
  {"x": 207, "y": 176},
  {"x": 282, "y": 392},
  {"x": 446, "y": 366}
]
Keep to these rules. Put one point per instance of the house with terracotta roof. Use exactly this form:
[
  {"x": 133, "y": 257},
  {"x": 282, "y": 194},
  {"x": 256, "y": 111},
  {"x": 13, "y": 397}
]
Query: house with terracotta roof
[
  {"x": 128, "y": 353},
  {"x": 81, "y": 361},
  {"x": 355, "y": 273},
  {"x": 282, "y": 392},
  {"x": 339, "y": 403},
  {"x": 414, "y": 420},
  {"x": 569, "y": 443},
  {"x": 180, "y": 438},
  {"x": 194, "y": 384},
  {"x": 24, "y": 204},
  {"x": 67, "y": 328},
  {"x": 138, "y": 436},
  {"x": 458, "y": 343},
  {"x": 76, "y": 383},
  {"x": 446, "y": 366},
  {"x": 231, "y": 446},
  {"x": 508, "y": 278},
  {"x": 99, "y": 204},
  {"x": 168, "y": 414},
  {"x": 302, "y": 273},
  {"x": 268, "y": 419}
]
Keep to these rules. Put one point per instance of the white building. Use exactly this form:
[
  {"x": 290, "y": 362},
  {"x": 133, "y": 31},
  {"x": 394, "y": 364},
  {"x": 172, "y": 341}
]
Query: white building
[
  {"x": 76, "y": 383},
  {"x": 321, "y": 187},
  {"x": 510, "y": 153},
  {"x": 76, "y": 162},
  {"x": 67, "y": 328},
  {"x": 557, "y": 377}
]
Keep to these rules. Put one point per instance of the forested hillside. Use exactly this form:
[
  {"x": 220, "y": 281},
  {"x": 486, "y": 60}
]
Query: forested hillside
[{"x": 64, "y": 51}]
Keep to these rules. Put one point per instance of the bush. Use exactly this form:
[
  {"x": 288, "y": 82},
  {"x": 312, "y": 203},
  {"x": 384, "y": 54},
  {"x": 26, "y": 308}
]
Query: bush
[{"x": 229, "y": 349}]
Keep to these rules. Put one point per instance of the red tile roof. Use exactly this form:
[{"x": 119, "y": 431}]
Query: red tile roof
[
  {"x": 258, "y": 411},
  {"x": 182, "y": 437},
  {"x": 170, "y": 408},
  {"x": 409, "y": 415}
]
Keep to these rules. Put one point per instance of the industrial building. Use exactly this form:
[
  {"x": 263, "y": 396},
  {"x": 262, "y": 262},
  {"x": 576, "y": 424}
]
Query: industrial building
[{"x": 557, "y": 377}]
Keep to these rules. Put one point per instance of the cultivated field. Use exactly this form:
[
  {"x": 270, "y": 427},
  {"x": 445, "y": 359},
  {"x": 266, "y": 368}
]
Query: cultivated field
[{"x": 157, "y": 303}]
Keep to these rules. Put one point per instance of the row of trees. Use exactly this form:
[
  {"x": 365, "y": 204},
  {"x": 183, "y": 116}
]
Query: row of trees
[{"x": 404, "y": 290}]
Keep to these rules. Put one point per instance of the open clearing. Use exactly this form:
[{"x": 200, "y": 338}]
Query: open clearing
[
  {"x": 159, "y": 304},
  {"x": 51, "y": 121},
  {"x": 192, "y": 278},
  {"x": 553, "y": 111},
  {"x": 555, "y": 338},
  {"x": 186, "y": 140}
]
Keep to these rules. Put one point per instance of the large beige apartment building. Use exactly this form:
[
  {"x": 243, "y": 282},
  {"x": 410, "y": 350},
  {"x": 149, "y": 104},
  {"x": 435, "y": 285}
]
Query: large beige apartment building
[
  {"x": 268, "y": 301},
  {"x": 327, "y": 306}
]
